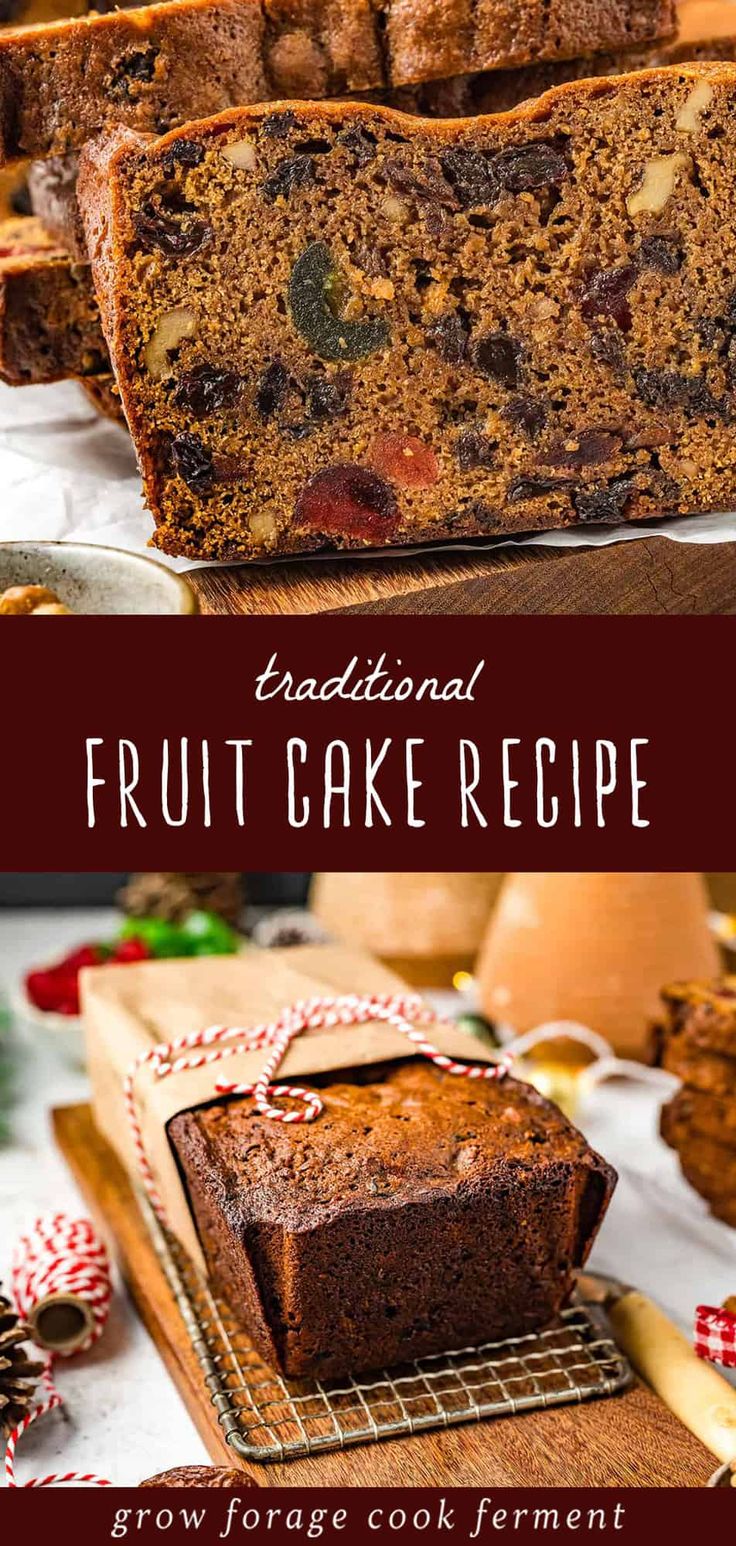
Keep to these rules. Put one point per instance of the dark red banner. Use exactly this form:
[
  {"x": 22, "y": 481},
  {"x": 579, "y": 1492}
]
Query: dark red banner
[
  {"x": 404, "y": 743},
  {"x": 406, "y": 1516}
]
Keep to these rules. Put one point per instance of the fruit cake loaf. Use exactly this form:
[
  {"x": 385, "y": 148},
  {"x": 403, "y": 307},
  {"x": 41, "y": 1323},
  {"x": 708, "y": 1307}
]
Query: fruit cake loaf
[
  {"x": 49, "y": 319},
  {"x": 161, "y": 65},
  {"x": 704, "y": 1116},
  {"x": 338, "y": 327},
  {"x": 702, "y": 1015},
  {"x": 709, "y": 1166},
  {"x": 708, "y": 1072},
  {"x": 705, "y": 31},
  {"x": 418, "y": 1213}
]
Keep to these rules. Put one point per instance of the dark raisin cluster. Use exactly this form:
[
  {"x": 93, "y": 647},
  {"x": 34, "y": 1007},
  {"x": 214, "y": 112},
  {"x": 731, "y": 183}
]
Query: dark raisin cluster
[
  {"x": 480, "y": 179},
  {"x": 359, "y": 143},
  {"x": 450, "y": 334},
  {"x": 474, "y": 449},
  {"x": 172, "y": 226},
  {"x": 132, "y": 70},
  {"x": 498, "y": 356},
  {"x": 319, "y": 398},
  {"x": 207, "y": 389},
  {"x": 192, "y": 462},
  {"x": 669, "y": 390},
  {"x": 290, "y": 173},
  {"x": 184, "y": 153}
]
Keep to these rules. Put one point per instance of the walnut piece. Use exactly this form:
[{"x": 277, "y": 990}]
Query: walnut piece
[
  {"x": 32, "y": 601},
  {"x": 394, "y": 209},
  {"x": 240, "y": 154},
  {"x": 263, "y": 528},
  {"x": 168, "y": 333},
  {"x": 688, "y": 118},
  {"x": 657, "y": 184}
]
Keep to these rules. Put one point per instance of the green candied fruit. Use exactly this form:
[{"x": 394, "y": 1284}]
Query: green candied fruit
[{"x": 314, "y": 290}]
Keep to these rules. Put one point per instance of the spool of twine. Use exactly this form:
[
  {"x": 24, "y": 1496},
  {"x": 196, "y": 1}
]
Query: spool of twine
[
  {"x": 60, "y": 1278},
  {"x": 61, "y": 1284}
]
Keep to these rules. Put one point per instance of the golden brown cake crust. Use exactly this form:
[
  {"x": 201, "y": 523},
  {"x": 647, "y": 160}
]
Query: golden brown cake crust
[
  {"x": 465, "y": 329},
  {"x": 164, "y": 64},
  {"x": 418, "y": 1213}
]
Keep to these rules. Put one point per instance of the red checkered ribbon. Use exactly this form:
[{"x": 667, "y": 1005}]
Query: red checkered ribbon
[
  {"x": 405, "y": 1013},
  {"x": 58, "y": 1256},
  {"x": 715, "y": 1335}
]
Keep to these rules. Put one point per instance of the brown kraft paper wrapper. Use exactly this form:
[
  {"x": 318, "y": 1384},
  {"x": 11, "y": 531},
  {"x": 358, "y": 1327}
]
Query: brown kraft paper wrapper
[{"x": 129, "y": 1009}]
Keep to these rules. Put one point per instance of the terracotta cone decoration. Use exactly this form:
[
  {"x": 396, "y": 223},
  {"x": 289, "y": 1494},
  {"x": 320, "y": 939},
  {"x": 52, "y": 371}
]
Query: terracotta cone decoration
[
  {"x": 596, "y": 949},
  {"x": 426, "y": 927}
]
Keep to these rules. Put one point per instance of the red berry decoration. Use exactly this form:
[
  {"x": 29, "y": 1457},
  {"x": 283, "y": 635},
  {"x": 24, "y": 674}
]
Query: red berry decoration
[
  {"x": 55, "y": 989},
  {"x": 348, "y": 501},
  {"x": 405, "y": 459},
  {"x": 129, "y": 950}
]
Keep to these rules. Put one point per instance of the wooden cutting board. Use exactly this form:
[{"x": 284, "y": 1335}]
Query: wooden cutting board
[
  {"x": 647, "y": 576},
  {"x": 630, "y": 1440}
]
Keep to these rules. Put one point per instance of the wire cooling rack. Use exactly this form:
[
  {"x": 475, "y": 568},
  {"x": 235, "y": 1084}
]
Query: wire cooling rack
[{"x": 265, "y": 1418}]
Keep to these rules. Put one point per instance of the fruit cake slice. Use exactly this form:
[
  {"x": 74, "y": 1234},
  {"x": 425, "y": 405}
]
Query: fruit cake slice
[
  {"x": 160, "y": 65},
  {"x": 339, "y": 327},
  {"x": 49, "y": 318},
  {"x": 706, "y": 30}
]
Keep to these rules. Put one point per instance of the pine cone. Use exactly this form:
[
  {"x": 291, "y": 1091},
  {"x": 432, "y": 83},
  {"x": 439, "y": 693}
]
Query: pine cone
[
  {"x": 19, "y": 1373},
  {"x": 163, "y": 894}
]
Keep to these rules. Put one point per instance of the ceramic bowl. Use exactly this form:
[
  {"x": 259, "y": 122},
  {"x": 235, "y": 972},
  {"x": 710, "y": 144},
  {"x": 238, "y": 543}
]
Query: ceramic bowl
[
  {"x": 95, "y": 579},
  {"x": 64, "y": 1032},
  {"x": 723, "y": 1477}
]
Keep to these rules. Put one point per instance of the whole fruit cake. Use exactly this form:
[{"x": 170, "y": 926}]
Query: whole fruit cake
[
  {"x": 697, "y": 1043},
  {"x": 419, "y": 1213},
  {"x": 340, "y": 327}
]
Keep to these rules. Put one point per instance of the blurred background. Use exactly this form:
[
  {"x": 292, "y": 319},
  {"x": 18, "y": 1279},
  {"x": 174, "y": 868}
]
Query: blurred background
[{"x": 100, "y": 890}]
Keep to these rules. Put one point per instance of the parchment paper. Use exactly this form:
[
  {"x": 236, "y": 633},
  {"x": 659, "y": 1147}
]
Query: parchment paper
[
  {"x": 127, "y": 1011},
  {"x": 67, "y": 473}
]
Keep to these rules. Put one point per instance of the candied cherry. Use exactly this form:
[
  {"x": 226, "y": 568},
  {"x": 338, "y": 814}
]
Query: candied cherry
[
  {"x": 405, "y": 459},
  {"x": 348, "y": 501}
]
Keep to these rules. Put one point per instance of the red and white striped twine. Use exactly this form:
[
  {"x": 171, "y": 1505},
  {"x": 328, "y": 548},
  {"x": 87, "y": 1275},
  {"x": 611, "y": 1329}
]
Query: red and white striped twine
[
  {"x": 58, "y": 1255},
  {"x": 405, "y": 1013}
]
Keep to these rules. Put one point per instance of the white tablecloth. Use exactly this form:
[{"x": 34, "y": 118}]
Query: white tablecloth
[{"x": 126, "y": 1418}]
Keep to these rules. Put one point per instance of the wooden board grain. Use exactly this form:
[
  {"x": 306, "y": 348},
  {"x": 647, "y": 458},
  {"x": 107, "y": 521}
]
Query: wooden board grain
[
  {"x": 624, "y": 1441},
  {"x": 649, "y": 576}
]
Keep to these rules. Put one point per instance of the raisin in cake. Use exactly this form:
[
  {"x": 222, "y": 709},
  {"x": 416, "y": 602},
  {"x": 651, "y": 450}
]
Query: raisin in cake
[
  {"x": 340, "y": 327},
  {"x": 165, "y": 64},
  {"x": 418, "y": 1213},
  {"x": 49, "y": 319}
]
